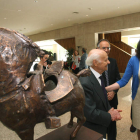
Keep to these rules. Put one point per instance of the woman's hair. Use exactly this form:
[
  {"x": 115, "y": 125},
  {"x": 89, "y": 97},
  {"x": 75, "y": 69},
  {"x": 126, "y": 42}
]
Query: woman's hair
[
  {"x": 138, "y": 50},
  {"x": 84, "y": 50},
  {"x": 45, "y": 52},
  {"x": 77, "y": 52}
]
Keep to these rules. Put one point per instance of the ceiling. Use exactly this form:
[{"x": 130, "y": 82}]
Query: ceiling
[{"x": 34, "y": 16}]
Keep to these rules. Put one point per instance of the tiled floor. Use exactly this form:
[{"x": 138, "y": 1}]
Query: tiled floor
[{"x": 122, "y": 126}]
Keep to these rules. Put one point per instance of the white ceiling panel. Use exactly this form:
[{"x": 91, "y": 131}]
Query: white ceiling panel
[{"x": 30, "y": 17}]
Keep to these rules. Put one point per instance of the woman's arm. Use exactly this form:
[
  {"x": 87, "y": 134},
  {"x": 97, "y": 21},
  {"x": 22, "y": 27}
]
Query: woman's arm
[
  {"x": 126, "y": 77},
  {"x": 112, "y": 87}
]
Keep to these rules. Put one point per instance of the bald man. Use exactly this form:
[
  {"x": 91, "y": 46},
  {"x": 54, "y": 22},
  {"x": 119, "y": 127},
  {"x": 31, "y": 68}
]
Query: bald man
[{"x": 97, "y": 110}]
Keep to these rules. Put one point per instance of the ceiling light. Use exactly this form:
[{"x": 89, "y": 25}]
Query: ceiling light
[
  {"x": 75, "y": 12},
  {"x": 87, "y": 15},
  {"x": 5, "y": 18},
  {"x": 90, "y": 8},
  {"x": 35, "y": 1},
  {"x": 118, "y": 7}
]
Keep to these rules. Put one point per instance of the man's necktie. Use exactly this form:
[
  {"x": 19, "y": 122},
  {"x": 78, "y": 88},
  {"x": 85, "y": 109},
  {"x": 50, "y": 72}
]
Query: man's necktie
[
  {"x": 106, "y": 76},
  {"x": 103, "y": 87}
]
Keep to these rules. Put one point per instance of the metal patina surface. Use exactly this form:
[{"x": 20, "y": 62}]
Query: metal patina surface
[{"x": 23, "y": 102}]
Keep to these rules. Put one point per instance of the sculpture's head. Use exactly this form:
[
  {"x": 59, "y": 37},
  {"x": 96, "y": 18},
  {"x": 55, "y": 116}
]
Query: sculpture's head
[{"x": 17, "y": 53}]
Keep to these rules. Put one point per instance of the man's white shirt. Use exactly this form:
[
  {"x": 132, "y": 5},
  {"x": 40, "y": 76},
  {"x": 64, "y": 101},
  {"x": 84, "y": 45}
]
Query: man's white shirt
[{"x": 97, "y": 75}]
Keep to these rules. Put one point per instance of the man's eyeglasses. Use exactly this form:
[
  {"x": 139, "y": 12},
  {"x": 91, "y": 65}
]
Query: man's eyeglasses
[{"x": 104, "y": 48}]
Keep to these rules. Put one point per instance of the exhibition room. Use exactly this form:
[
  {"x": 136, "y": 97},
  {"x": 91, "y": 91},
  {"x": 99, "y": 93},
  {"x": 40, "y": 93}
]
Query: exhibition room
[{"x": 69, "y": 70}]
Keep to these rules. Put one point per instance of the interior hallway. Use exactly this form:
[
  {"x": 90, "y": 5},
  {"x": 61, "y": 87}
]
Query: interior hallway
[{"x": 123, "y": 126}]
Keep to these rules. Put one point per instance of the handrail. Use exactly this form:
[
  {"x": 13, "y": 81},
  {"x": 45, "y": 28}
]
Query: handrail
[{"x": 121, "y": 49}]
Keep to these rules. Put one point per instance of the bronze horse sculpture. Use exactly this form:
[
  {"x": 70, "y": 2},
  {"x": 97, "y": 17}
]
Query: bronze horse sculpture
[{"x": 24, "y": 101}]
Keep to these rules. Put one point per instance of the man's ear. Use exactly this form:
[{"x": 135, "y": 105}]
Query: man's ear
[{"x": 95, "y": 62}]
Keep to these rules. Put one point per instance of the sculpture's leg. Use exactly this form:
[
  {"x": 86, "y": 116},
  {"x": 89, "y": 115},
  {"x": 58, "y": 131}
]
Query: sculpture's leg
[
  {"x": 27, "y": 134},
  {"x": 70, "y": 124},
  {"x": 79, "y": 113}
]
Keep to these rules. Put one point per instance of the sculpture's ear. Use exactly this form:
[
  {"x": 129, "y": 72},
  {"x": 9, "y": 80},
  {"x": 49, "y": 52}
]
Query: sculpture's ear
[
  {"x": 84, "y": 73},
  {"x": 37, "y": 84},
  {"x": 57, "y": 66}
]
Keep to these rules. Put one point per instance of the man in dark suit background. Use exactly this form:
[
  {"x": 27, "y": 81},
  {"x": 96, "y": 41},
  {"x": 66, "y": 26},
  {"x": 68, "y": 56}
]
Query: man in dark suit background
[
  {"x": 111, "y": 76},
  {"x": 97, "y": 110},
  {"x": 82, "y": 64}
]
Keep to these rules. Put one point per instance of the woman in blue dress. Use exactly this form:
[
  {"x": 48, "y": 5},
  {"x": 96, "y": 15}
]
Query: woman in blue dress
[{"x": 132, "y": 70}]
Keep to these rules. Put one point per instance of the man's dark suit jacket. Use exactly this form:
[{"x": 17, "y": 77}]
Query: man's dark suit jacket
[
  {"x": 82, "y": 64},
  {"x": 96, "y": 106},
  {"x": 113, "y": 76}
]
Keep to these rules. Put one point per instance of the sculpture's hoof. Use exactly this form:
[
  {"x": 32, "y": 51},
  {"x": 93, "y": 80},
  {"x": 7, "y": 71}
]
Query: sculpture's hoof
[{"x": 52, "y": 122}]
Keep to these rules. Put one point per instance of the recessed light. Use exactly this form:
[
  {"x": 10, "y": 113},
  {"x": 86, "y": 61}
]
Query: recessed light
[
  {"x": 5, "y": 18},
  {"x": 87, "y": 15},
  {"x": 90, "y": 8},
  {"x": 75, "y": 12},
  {"x": 118, "y": 7}
]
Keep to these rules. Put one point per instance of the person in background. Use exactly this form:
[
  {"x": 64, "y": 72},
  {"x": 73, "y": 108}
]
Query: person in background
[
  {"x": 132, "y": 128},
  {"x": 76, "y": 61},
  {"x": 83, "y": 59},
  {"x": 132, "y": 69},
  {"x": 43, "y": 59},
  {"x": 111, "y": 75},
  {"x": 97, "y": 110}
]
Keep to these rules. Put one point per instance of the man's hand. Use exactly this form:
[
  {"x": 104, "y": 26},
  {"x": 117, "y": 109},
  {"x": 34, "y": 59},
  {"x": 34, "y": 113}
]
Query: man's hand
[
  {"x": 110, "y": 95},
  {"x": 115, "y": 115}
]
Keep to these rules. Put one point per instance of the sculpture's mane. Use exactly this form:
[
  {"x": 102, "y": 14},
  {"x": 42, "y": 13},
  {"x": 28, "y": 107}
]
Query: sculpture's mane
[
  {"x": 17, "y": 48},
  {"x": 17, "y": 53}
]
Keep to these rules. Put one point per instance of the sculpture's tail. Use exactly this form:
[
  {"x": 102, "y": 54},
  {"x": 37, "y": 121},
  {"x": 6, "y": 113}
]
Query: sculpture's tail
[{"x": 84, "y": 73}]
